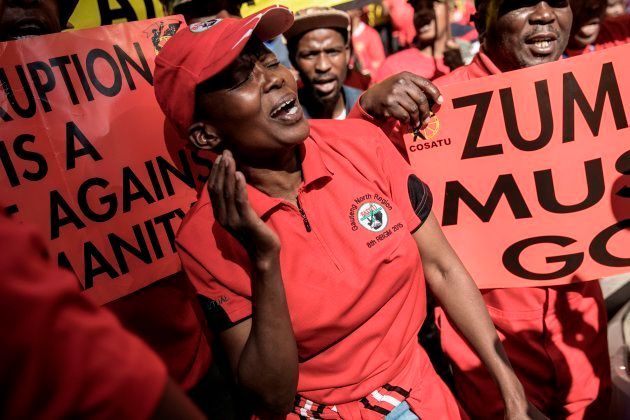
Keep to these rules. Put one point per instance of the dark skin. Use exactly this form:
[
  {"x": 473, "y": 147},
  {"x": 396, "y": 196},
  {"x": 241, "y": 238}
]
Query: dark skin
[
  {"x": 239, "y": 115},
  {"x": 431, "y": 20},
  {"x": 587, "y": 18},
  {"x": 509, "y": 31},
  {"x": 321, "y": 58},
  {"x": 524, "y": 33},
  {"x": 262, "y": 350},
  {"x": 26, "y": 18}
]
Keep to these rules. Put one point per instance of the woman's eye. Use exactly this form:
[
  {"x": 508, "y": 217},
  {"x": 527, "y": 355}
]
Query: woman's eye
[{"x": 242, "y": 81}]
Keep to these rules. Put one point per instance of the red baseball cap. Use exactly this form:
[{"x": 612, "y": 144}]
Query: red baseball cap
[{"x": 202, "y": 50}]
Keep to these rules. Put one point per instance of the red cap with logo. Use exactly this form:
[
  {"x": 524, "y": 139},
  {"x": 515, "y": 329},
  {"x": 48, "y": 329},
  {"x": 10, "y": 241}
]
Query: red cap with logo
[{"x": 202, "y": 50}]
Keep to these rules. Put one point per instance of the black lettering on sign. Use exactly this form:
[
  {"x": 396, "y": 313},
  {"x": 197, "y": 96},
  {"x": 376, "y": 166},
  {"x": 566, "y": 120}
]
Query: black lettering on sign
[
  {"x": 109, "y": 200},
  {"x": 572, "y": 94},
  {"x": 42, "y": 88},
  {"x": 72, "y": 153},
  {"x": 108, "y": 15},
  {"x": 90, "y": 61},
  {"x": 131, "y": 180},
  {"x": 481, "y": 101},
  {"x": 599, "y": 251},
  {"x": 92, "y": 255},
  {"x": 30, "y": 156},
  {"x": 7, "y": 164},
  {"x": 505, "y": 186},
  {"x": 623, "y": 167},
  {"x": 142, "y": 69},
  {"x": 165, "y": 221},
  {"x": 20, "y": 150},
  {"x": 544, "y": 113},
  {"x": 140, "y": 251},
  {"x": 185, "y": 175},
  {"x": 58, "y": 205},
  {"x": 125, "y": 11},
  {"x": 547, "y": 193},
  {"x": 511, "y": 258},
  {"x": 82, "y": 78},
  {"x": 25, "y": 112},
  {"x": 61, "y": 63}
]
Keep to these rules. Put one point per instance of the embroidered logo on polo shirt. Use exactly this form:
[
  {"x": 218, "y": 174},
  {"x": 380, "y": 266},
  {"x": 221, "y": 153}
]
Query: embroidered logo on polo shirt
[{"x": 372, "y": 216}]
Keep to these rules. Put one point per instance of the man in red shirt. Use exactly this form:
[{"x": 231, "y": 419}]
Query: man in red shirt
[
  {"x": 63, "y": 357},
  {"x": 431, "y": 54},
  {"x": 308, "y": 253},
  {"x": 593, "y": 31},
  {"x": 180, "y": 340},
  {"x": 554, "y": 336}
]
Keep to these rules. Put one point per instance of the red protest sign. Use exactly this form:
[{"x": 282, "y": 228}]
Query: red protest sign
[
  {"x": 529, "y": 171},
  {"x": 83, "y": 153}
]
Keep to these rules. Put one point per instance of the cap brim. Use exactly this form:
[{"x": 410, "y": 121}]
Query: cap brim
[
  {"x": 273, "y": 22},
  {"x": 308, "y": 23},
  {"x": 265, "y": 25}
]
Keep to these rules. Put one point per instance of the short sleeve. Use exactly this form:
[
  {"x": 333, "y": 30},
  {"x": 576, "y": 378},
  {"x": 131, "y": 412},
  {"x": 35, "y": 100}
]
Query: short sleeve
[
  {"x": 224, "y": 293},
  {"x": 409, "y": 193},
  {"x": 62, "y": 356}
]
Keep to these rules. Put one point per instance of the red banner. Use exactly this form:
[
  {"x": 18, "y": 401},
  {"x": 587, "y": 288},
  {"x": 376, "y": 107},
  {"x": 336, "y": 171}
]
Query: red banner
[
  {"x": 529, "y": 171},
  {"x": 83, "y": 154}
]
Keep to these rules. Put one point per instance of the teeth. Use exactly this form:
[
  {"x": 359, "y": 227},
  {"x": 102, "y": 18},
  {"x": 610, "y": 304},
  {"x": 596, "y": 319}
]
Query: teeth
[
  {"x": 281, "y": 107},
  {"x": 542, "y": 44},
  {"x": 292, "y": 110}
]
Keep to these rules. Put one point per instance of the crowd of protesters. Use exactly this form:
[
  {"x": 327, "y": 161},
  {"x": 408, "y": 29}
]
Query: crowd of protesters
[{"x": 281, "y": 310}]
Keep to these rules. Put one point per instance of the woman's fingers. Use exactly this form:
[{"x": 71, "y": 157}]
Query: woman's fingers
[
  {"x": 232, "y": 214},
  {"x": 216, "y": 192}
]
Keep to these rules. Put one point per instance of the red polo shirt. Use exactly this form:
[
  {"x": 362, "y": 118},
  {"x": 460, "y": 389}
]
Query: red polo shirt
[
  {"x": 61, "y": 356},
  {"x": 414, "y": 61},
  {"x": 613, "y": 32},
  {"x": 353, "y": 278}
]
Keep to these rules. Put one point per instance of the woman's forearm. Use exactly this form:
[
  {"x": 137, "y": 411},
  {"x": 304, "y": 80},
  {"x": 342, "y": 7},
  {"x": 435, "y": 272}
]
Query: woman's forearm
[
  {"x": 468, "y": 312},
  {"x": 268, "y": 366},
  {"x": 454, "y": 288}
]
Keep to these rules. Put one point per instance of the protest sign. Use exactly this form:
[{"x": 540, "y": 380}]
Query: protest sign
[
  {"x": 94, "y": 13},
  {"x": 83, "y": 153},
  {"x": 529, "y": 171}
]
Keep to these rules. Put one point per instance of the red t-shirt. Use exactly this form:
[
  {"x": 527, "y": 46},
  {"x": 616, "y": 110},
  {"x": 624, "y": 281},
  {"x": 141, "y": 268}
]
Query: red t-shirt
[
  {"x": 61, "y": 356},
  {"x": 167, "y": 316},
  {"x": 414, "y": 61},
  {"x": 368, "y": 47},
  {"x": 613, "y": 32},
  {"x": 353, "y": 278}
]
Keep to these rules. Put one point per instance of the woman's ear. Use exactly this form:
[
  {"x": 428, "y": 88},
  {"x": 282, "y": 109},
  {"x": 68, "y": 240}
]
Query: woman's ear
[{"x": 204, "y": 136}]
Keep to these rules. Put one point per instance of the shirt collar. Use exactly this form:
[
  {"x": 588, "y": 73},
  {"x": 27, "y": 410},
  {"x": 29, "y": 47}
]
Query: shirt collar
[
  {"x": 483, "y": 66},
  {"x": 314, "y": 173}
]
